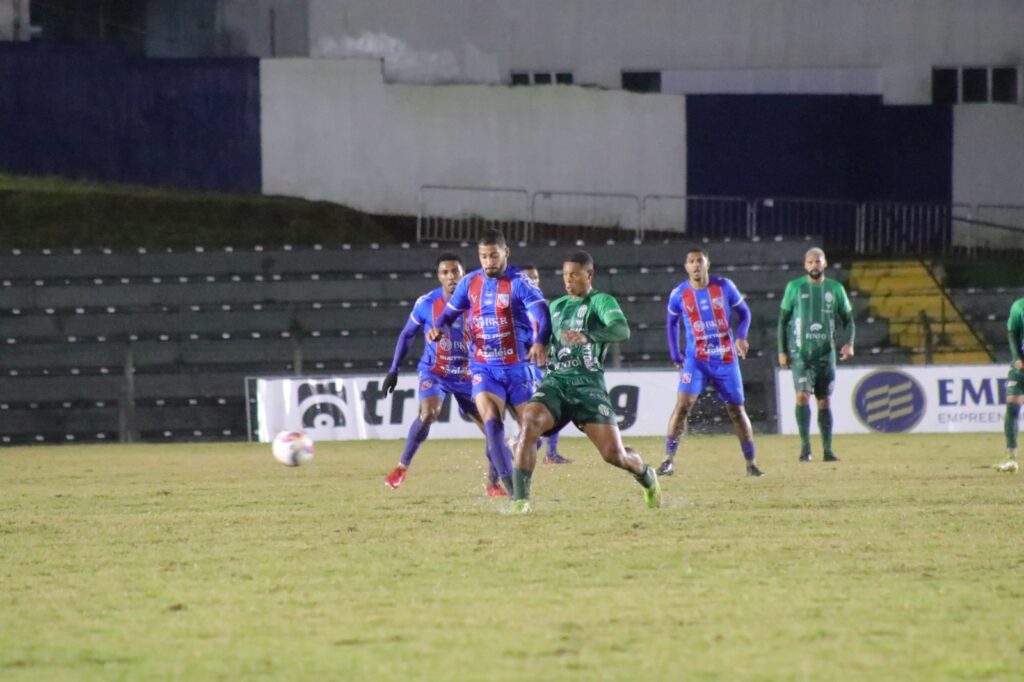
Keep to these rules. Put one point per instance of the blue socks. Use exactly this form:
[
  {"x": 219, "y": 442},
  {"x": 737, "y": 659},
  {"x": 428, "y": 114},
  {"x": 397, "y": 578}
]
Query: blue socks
[
  {"x": 747, "y": 446},
  {"x": 418, "y": 433}
]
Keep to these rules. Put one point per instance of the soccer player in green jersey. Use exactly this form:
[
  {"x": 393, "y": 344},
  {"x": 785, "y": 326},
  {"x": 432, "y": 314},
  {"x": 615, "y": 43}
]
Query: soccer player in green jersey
[
  {"x": 583, "y": 323},
  {"x": 1014, "y": 385},
  {"x": 811, "y": 307}
]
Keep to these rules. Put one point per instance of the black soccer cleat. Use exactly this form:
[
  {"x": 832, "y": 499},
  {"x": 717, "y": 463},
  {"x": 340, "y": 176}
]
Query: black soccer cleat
[
  {"x": 806, "y": 456},
  {"x": 830, "y": 457},
  {"x": 667, "y": 468},
  {"x": 752, "y": 470}
]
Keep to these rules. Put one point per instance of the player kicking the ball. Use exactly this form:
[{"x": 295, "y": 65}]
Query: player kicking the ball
[{"x": 583, "y": 323}]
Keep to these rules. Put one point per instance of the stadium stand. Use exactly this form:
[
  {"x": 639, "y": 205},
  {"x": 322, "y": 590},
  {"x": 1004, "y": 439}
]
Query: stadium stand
[{"x": 189, "y": 326}]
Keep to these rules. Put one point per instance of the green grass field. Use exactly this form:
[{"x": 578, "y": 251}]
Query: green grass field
[{"x": 902, "y": 562}]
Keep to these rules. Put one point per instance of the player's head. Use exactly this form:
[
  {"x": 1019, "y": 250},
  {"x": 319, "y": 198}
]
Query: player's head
[
  {"x": 532, "y": 272},
  {"x": 578, "y": 273},
  {"x": 493, "y": 252},
  {"x": 697, "y": 264},
  {"x": 449, "y": 271},
  {"x": 815, "y": 263}
]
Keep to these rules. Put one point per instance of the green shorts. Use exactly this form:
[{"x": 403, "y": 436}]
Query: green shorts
[
  {"x": 817, "y": 376},
  {"x": 1014, "y": 381},
  {"x": 578, "y": 399}
]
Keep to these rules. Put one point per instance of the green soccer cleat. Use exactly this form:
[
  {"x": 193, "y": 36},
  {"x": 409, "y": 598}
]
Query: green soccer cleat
[
  {"x": 520, "y": 507},
  {"x": 1007, "y": 467},
  {"x": 652, "y": 495}
]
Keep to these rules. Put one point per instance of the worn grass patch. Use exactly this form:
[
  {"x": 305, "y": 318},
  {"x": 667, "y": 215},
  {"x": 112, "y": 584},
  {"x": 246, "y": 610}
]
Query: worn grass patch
[{"x": 904, "y": 561}]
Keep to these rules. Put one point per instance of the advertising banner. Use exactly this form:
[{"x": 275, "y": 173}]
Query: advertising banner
[
  {"x": 354, "y": 407},
  {"x": 906, "y": 399}
]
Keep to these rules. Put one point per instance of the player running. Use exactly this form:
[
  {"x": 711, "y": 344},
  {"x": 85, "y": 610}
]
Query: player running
[
  {"x": 443, "y": 367},
  {"x": 552, "y": 456},
  {"x": 810, "y": 308},
  {"x": 509, "y": 327},
  {"x": 704, "y": 304},
  {"x": 584, "y": 322},
  {"x": 1014, "y": 385}
]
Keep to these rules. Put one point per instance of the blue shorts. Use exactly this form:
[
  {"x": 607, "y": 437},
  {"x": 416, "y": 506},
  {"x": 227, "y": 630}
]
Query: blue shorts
[
  {"x": 726, "y": 379},
  {"x": 432, "y": 385},
  {"x": 513, "y": 383}
]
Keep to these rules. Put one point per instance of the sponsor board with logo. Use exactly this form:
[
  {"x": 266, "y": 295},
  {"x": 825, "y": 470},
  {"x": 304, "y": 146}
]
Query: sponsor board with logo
[
  {"x": 353, "y": 407},
  {"x": 906, "y": 399}
]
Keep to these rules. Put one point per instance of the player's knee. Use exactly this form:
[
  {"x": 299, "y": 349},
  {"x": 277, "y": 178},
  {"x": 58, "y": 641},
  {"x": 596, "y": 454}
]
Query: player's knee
[
  {"x": 534, "y": 421},
  {"x": 429, "y": 414}
]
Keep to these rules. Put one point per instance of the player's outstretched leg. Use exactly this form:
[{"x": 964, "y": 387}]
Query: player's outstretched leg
[
  {"x": 418, "y": 433},
  {"x": 609, "y": 443}
]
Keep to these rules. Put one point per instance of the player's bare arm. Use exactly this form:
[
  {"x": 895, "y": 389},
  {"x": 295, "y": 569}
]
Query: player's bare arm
[
  {"x": 784, "y": 360},
  {"x": 741, "y": 348}
]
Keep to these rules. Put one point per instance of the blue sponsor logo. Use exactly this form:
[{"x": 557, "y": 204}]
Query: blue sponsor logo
[{"x": 889, "y": 401}]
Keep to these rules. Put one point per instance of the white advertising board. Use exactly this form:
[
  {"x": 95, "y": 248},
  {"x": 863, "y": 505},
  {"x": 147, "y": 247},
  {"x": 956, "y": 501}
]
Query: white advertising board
[
  {"x": 910, "y": 399},
  {"x": 353, "y": 407}
]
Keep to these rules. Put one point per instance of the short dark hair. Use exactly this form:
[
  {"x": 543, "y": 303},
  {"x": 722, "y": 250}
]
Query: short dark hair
[
  {"x": 529, "y": 266},
  {"x": 492, "y": 237},
  {"x": 698, "y": 249},
  {"x": 581, "y": 258},
  {"x": 448, "y": 255}
]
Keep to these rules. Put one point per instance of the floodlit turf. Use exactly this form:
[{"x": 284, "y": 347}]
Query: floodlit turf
[{"x": 904, "y": 561}]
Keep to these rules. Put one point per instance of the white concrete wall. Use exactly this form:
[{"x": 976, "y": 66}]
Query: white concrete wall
[
  {"x": 474, "y": 40},
  {"x": 988, "y": 172},
  {"x": 14, "y": 20},
  {"x": 334, "y": 130}
]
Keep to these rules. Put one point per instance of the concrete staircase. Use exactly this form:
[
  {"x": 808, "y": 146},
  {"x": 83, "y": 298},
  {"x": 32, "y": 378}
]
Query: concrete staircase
[{"x": 907, "y": 295}]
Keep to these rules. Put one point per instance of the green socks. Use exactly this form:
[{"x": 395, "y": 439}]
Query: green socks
[
  {"x": 1010, "y": 425},
  {"x": 647, "y": 478},
  {"x": 825, "y": 427},
  {"x": 803, "y": 424},
  {"x": 521, "y": 479}
]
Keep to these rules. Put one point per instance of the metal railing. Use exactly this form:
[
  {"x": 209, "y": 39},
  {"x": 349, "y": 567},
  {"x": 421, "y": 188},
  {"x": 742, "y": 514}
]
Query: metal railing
[{"x": 868, "y": 228}]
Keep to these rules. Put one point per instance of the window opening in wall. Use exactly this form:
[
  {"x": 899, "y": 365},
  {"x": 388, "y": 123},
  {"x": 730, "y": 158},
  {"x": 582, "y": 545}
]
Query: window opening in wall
[
  {"x": 945, "y": 86},
  {"x": 1004, "y": 84},
  {"x": 542, "y": 77},
  {"x": 975, "y": 85},
  {"x": 641, "y": 81}
]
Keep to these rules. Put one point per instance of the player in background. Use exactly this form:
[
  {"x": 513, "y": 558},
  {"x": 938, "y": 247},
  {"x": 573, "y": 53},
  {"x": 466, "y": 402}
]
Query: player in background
[
  {"x": 811, "y": 306},
  {"x": 704, "y": 304},
  {"x": 584, "y": 322},
  {"x": 509, "y": 327},
  {"x": 1014, "y": 385},
  {"x": 552, "y": 456},
  {"x": 443, "y": 367}
]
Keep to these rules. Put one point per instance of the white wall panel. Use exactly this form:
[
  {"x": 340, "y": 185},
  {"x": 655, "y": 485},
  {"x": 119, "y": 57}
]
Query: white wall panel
[{"x": 334, "y": 130}]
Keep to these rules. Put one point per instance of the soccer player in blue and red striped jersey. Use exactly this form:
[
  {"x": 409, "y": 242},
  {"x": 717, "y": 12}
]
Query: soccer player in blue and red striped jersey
[
  {"x": 509, "y": 327},
  {"x": 443, "y": 367},
  {"x": 716, "y": 320}
]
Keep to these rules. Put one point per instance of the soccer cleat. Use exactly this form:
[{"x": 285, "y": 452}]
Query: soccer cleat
[
  {"x": 1007, "y": 467},
  {"x": 805, "y": 456},
  {"x": 520, "y": 507},
  {"x": 752, "y": 470},
  {"x": 652, "y": 495},
  {"x": 555, "y": 458},
  {"x": 667, "y": 468},
  {"x": 830, "y": 457},
  {"x": 496, "y": 490},
  {"x": 395, "y": 478}
]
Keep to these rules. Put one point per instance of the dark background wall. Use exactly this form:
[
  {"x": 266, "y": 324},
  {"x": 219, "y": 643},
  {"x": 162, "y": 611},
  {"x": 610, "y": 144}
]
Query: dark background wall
[
  {"x": 827, "y": 147},
  {"x": 94, "y": 113}
]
